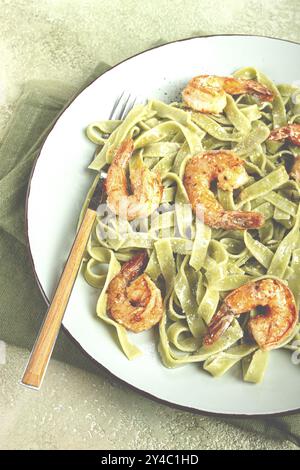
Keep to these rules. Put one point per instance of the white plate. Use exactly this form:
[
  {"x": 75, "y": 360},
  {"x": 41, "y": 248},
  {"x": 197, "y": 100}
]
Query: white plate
[{"x": 57, "y": 191}]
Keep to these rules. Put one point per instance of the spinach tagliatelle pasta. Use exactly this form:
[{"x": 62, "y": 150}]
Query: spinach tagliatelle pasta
[{"x": 194, "y": 265}]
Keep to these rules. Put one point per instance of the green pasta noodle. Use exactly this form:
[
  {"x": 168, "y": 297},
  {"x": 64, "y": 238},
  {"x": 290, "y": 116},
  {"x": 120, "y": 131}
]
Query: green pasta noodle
[
  {"x": 259, "y": 251},
  {"x": 236, "y": 116},
  {"x": 193, "y": 265},
  {"x": 200, "y": 245},
  {"x": 254, "y": 366},
  {"x": 218, "y": 365},
  {"x": 273, "y": 180}
]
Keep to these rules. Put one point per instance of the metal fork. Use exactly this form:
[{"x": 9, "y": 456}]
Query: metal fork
[{"x": 43, "y": 347}]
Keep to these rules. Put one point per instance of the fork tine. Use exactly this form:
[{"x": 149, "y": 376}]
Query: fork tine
[
  {"x": 123, "y": 108},
  {"x": 114, "y": 108},
  {"x": 128, "y": 107}
]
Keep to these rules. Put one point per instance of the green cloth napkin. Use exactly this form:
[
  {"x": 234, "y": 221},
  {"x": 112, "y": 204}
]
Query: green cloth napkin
[{"x": 21, "y": 304}]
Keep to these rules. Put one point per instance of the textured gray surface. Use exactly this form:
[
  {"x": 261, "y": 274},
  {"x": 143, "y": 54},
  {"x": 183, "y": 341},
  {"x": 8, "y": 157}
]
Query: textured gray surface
[
  {"x": 65, "y": 39},
  {"x": 75, "y": 409}
]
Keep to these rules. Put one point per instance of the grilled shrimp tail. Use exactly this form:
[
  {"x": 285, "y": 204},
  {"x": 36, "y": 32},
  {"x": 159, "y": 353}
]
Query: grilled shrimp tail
[
  {"x": 242, "y": 220},
  {"x": 290, "y": 132},
  {"x": 135, "y": 266},
  {"x": 260, "y": 91},
  {"x": 280, "y": 133},
  {"x": 219, "y": 324}
]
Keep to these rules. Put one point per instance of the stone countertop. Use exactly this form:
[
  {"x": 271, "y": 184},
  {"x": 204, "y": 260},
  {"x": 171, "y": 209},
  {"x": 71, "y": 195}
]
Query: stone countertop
[
  {"x": 64, "y": 40},
  {"x": 76, "y": 409}
]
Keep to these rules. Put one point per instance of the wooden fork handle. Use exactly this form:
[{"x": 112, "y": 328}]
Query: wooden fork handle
[{"x": 44, "y": 345}]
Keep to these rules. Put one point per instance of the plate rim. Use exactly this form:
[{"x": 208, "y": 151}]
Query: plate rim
[{"x": 99, "y": 365}]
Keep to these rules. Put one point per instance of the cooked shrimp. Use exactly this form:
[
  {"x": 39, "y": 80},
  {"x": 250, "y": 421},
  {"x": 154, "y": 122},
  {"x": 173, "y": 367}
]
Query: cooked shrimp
[
  {"x": 290, "y": 132},
  {"x": 207, "y": 93},
  {"x": 145, "y": 184},
  {"x": 133, "y": 299},
  {"x": 227, "y": 168},
  {"x": 269, "y": 330}
]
